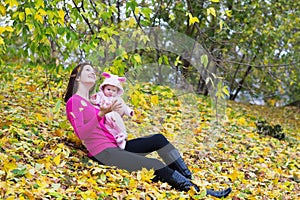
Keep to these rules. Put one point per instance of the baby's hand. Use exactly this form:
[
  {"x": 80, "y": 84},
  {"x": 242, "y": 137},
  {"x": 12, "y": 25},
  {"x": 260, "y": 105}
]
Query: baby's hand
[
  {"x": 114, "y": 107},
  {"x": 105, "y": 104},
  {"x": 93, "y": 98}
]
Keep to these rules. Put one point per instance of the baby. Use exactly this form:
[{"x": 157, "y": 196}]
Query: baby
[{"x": 109, "y": 91}]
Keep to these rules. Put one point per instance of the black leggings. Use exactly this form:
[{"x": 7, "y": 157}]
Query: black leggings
[{"x": 133, "y": 157}]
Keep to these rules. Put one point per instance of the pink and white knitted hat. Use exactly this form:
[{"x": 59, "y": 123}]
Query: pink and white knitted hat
[{"x": 114, "y": 80}]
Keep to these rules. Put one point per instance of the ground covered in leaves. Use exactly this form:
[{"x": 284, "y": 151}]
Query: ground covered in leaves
[{"x": 41, "y": 158}]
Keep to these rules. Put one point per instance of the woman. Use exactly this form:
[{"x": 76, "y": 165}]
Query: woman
[{"x": 88, "y": 123}]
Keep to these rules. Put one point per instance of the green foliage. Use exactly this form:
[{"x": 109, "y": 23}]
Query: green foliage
[{"x": 252, "y": 45}]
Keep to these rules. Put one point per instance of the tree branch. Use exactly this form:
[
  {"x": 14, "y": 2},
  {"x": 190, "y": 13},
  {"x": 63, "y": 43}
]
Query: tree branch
[
  {"x": 84, "y": 18},
  {"x": 260, "y": 66}
]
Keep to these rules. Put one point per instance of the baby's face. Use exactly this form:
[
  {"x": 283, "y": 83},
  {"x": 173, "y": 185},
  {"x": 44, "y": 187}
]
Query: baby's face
[{"x": 110, "y": 91}]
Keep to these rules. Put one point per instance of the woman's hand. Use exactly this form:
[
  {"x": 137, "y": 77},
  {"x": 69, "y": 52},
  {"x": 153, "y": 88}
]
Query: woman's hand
[{"x": 115, "y": 106}]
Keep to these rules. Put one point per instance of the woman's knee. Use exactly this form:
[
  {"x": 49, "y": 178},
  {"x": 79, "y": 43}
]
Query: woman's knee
[
  {"x": 161, "y": 138},
  {"x": 153, "y": 163}
]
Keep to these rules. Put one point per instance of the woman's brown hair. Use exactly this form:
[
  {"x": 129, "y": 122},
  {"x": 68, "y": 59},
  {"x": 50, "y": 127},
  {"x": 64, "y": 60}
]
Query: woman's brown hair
[{"x": 73, "y": 85}]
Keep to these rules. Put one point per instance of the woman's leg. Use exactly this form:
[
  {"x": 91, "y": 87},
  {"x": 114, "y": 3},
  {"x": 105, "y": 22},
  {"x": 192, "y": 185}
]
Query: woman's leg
[
  {"x": 164, "y": 148},
  {"x": 148, "y": 144},
  {"x": 127, "y": 160},
  {"x": 133, "y": 162}
]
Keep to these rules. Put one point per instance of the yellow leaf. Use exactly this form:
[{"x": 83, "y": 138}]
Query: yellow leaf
[
  {"x": 40, "y": 118},
  {"x": 11, "y": 3},
  {"x": 228, "y": 13},
  {"x": 137, "y": 58},
  {"x": 56, "y": 160},
  {"x": 1, "y": 41},
  {"x": 178, "y": 61},
  {"x": 211, "y": 11},
  {"x": 9, "y": 166},
  {"x": 29, "y": 194},
  {"x": 2, "y": 10},
  {"x": 133, "y": 183},
  {"x": 3, "y": 185},
  {"x": 215, "y": 1},
  {"x": 143, "y": 102},
  {"x": 6, "y": 28},
  {"x": 131, "y": 22},
  {"x": 42, "y": 12},
  {"x": 261, "y": 160},
  {"x": 145, "y": 175},
  {"x": 89, "y": 195},
  {"x": 125, "y": 55},
  {"x": 234, "y": 175},
  {"x": 221, "y": 24},
  {"x": 61, "y": 15},
  {"x": 154, "y": 99},
  {"x": 21, "y": 16},
  {"x": 134, "y": 99},
  {"x": 193, "y": 20},
  {"x": 58, "y": 150},
  {"x": 272, "y": 102},
  {"x": 9, "y": 29},
  {"x": 39, "y": 3},
  {"x": 28, "y": 11},
  {"x": 241, "y": 121},
  {"x": 172, "y": 17},
  {"x": 29, "y": 174},
  {"x": 42, "y": 182},
  {"x": 198, "y": 130},
  {"x": 136, "y": 10},
  {"x": 92, "y": 181},
  {"x": 38, "y": 17}
]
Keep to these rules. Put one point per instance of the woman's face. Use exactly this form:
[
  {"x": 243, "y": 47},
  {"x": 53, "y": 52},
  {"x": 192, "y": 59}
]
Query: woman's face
[
  {"x": 88, "y": 75},
  {"x": 110, "y": 91}
]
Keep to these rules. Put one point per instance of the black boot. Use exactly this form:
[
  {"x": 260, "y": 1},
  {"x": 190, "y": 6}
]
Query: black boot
[
  {"x": 174, "y": 160},
  {"x": 180, "y": 166},
  {"x": 218, "y": 194},
  {"x": 179, "y": 182}
]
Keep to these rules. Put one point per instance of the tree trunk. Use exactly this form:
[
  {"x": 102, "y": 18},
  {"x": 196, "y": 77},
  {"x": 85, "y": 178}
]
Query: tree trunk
[{"x": 232, "y": 97}]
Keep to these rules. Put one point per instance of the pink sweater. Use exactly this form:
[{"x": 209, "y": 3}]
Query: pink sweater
[{"x": 88, "y": 126}]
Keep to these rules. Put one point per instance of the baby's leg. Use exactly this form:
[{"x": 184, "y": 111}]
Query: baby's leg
[
  {"x": 115, "y": 125},
  {"x": 115, "y": 121}
]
